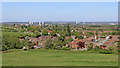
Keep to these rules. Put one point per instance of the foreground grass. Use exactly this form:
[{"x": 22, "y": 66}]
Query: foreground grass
[{"x": 40, "y": 57}]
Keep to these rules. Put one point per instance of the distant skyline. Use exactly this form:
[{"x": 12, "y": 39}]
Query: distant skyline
[{"x": 59, "y": 11}]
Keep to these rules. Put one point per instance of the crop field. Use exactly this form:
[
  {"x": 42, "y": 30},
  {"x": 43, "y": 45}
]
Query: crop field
[{"x": 41, "y": 57}]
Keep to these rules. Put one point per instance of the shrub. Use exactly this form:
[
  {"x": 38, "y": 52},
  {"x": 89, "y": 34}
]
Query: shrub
[
  {"x": 53, "y": 33},
  {"x": 65, "y": 48},
  {"x": 106, "y": 52},
  {"x": 96, "y": 48},
  {"x": 58, "y": 48},
  {"x": 25, "y": 48},
  {"x": 89, "y": 48},
  {"x": 45, "y": 33},
  {"x": 4, "y": 48},
  {"x": 48, "y": 43}
]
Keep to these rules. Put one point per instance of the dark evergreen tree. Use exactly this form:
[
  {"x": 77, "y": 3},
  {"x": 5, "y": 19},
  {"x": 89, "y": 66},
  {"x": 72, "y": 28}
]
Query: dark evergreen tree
[
  {"x": 44, "y": 24},
  {"x": 41, "y": 24},
  {"x": 68, "y": 29},
  {"x": 64, "y": 28},
  {"x": 56, "y": 28}
]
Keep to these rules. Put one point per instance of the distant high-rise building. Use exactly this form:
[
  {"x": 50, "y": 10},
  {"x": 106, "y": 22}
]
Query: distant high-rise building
[
  {"x": 42, "y": 22},
  {"x": 31, "y": 23},
  {"x": 39, "y": 23},
  {"x": 76, "y": 22}
]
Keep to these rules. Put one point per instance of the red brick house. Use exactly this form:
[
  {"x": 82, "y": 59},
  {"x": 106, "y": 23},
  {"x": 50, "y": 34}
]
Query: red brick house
[
  {"x": 103, "y": 46},
  {"x": 49, "y": 31},
  {"x": 77, "y": 43},
  {"x": 66, "y": 37}
]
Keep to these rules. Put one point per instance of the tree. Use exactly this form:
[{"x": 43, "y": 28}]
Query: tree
[
  {"x": 53, "y": 33},
  {"x": 78, "y": 34},
  {"x": 22, "y": 36},
  {"x": 5, "y": 43},
  {"x": 57, "y": 44},
  {"x": 91, "y": 45},
  {"x": 53, "y": 27},
  {"x": 41, "y": 24},
  {"x": 37, "y": 33},
  {"x": 61, "y": 38},
  {"x": 48, "y": 28},
  {"x": 68, "y": 29},
  {"x": 48, "y": 43},
  {"x": 44, "y": 24},
  {"x": 96, "y": 48},
  {"x": 114, "y": 33},
  {"x": 70, "y": 39},
  {"x": 30, "y": 44},
  {"x": 45, "y": 33},
  {"x": 80, "y": 37},
  {"x": 81, "y": 44},
  {"x": 11, "y": 42},
  {"x": 64, "y": 28},
  {"x": 24, "y": 43},
  {"x": 89, "y": 34},
  {"x": 119, "y": 31},
  {"x": 34, "y": 29},
  {"x": 96, "y": 32},
  {"x": 118, "y": 45},
  {"x": 4, "y": 48},
  {"x": 23, "y": 26},
  {"x": 56, "y": 28},
  {"x": 17, "y": 44}
]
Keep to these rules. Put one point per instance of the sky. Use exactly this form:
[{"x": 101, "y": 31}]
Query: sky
[{"x": 59, "y": 11}]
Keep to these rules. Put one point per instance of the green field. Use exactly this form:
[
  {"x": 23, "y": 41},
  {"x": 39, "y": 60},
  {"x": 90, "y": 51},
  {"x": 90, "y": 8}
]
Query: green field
[{"x": 40, "y": 57}]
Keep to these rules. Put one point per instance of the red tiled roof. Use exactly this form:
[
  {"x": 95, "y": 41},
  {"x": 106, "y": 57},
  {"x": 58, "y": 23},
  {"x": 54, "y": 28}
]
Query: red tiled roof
[
  {"x": 49, "y": 31},
  {"x": 66, "y": 37},
  {"x": 33, "y": 26},
  {"x": 79, "y": 28}
]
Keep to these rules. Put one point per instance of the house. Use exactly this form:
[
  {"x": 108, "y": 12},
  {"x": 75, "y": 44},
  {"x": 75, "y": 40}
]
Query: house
[
  {"x": 84, "y": 36},
  {"x": 111, "y": 39},
  {"x": 73, "y": 37},
  {"x": 49, "y": 31},
  {"x": 41, "y": 40},
  {"x": 33, "y": 26},
  {"x": 79, "y": 28},
  {"x": 77, "y": 43},
  {"x": 58, "y": 34},
  {"x": 66, "y": 37},
  {"x": 103, "y": 46}
]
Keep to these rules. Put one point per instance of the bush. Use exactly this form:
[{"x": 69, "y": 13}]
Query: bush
[
  {"x": 89, "y": 48},
  {"x": 65, "y": 48},
  {"x": 48, "y": 43},
  {"x": 96, "y": 48},
  {"x": 53, "y": 33},
  {"x": 25, "y": 48},
  {"x": 45, "y": 33},
  {"x": 4, "y": 48},
  {"x": 58, "y": 48},
  {"x": 106, "y": 52}
]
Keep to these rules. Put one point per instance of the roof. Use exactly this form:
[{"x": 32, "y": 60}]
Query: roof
[
  {"x": 33, "y": 26},
  {"x": 49, "y": 31},
  {"x": 66, "y": 37}
]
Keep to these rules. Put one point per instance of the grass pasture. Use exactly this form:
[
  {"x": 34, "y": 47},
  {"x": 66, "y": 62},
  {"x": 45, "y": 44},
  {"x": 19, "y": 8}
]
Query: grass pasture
[{"x": 39, "y": 57}]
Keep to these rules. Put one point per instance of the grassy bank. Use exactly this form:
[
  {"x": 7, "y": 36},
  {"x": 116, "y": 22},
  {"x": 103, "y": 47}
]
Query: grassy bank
[{"x": 40, "y": 57}]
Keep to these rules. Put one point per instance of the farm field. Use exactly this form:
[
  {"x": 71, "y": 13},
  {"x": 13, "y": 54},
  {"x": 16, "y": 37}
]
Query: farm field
[{"x": 40, "y": 57}]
